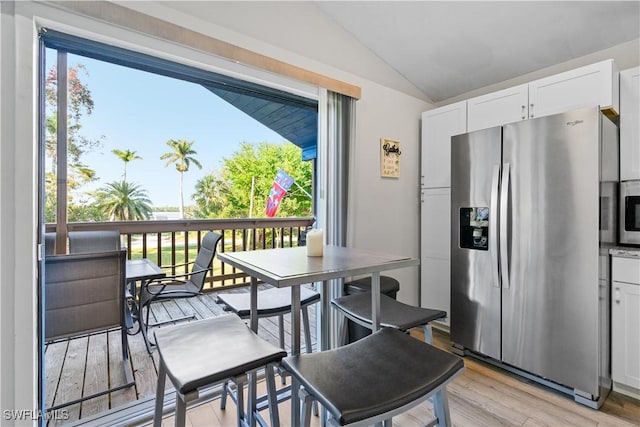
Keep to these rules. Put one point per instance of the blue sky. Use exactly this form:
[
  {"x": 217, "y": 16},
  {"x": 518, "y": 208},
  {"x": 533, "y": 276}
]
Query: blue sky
[{"x": 141, "y": 111}]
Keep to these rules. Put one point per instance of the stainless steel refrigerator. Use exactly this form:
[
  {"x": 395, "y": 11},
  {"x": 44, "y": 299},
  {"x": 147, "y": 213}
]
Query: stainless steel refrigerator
[{"x": 532, "y": 218}]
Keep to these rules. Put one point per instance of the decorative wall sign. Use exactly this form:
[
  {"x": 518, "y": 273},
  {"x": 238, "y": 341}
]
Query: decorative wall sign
[{"x": 389, "y": 158}]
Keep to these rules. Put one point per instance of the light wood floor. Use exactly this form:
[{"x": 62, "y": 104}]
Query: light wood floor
[{"x": 482, "y": 396}]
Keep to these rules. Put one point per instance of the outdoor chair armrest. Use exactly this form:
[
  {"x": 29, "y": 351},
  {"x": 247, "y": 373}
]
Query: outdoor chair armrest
[
  {"x": 169, "y": 280},
  {"x": 176, "y": 265}
]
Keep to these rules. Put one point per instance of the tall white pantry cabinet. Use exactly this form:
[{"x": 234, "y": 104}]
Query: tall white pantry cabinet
[
  {"x": 438, "y": 126},
  {"x": 595, "y": 84}
]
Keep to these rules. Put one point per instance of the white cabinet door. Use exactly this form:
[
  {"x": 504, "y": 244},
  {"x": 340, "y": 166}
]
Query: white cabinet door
[
  {"x": 435, "y": 288},
  {"x": 438, "y": 126},
  {"x": 630, "y": 124},
  {"x": 435, "y": 236},
  {"x": 435, "y": 223},
  {"x": 596, "y": 84},
  {"x": 625, "y": 334},
  {"x": 498, "y": 108}
]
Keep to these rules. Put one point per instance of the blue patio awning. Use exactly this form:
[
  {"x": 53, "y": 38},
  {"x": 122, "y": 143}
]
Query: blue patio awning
[{"x": 296, "y": 122}]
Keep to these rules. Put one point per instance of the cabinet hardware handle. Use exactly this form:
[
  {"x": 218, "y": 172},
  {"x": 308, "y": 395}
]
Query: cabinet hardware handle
[
  {"x": 531, "y": 111},
  {"x": 617, "y": 295}
]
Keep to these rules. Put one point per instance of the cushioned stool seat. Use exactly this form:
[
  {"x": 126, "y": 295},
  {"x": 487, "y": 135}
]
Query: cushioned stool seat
[
  {"x": 272, "y": 302},
  {"x": 393, "y": 314},
  {"x": 206, "y": 352},
  {"x": 375, "y": 378}
]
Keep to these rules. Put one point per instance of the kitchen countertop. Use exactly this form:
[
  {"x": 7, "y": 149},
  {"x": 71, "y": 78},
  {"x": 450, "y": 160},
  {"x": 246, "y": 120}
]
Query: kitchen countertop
[{"x": 625, "y": 252}]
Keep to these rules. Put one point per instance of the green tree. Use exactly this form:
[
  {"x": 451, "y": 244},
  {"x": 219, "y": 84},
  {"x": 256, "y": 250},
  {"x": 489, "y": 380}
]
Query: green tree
[
  {"x": 79, "y": 104},
  {"x": 183, "y": 156},
  {"x": 126, "y": 156},
  {"x": 209, "y": 196},
  {"x": 260, "y": 162},
  {"x": 122, "y": 201}
]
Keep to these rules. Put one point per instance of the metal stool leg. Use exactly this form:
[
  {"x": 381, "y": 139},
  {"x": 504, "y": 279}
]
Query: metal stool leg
[
  {"x": 162, "y": 375},
  {"x": 240, "y": 414},
  {"x": 272, "y": 396},
  {"x": 181, "y": 410},
  {"x": 306, "y": 399},
  {"x": 307, "y": 339},
  {"x": 283, "y": 379},
  {"x": 441, "y": 407},
  {"x": 428, "y": 336},
  {"x": 223, "y": 396},
  {"x": 281, "y": 329},
  {"x": 307, "y": 329}
]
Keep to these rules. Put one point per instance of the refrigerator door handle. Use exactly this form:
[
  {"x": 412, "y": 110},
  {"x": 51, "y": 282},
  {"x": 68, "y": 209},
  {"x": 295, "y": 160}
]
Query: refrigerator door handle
[
  {"x": 493, "y": 227},
  {"x": 504, "y": 226}
]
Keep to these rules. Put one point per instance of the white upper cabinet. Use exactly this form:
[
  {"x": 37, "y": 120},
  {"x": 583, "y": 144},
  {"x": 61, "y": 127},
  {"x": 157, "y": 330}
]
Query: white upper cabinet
[
  {"x": 438, "y": 126},
  {"x": 595, "y": 84},
  {"x": 498, "y": 108},
  {"x": 630, "y": 124}
]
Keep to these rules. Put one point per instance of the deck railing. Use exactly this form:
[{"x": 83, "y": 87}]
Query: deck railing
[{"x": 172, "y": 242}]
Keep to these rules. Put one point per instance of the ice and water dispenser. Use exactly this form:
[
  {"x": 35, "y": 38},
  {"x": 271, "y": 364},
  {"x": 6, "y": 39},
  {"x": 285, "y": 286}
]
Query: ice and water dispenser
[{"x": 474, "y": 228}]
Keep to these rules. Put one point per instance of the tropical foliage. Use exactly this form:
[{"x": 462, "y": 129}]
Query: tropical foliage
[
  {"x": 182, "y": 155},
  {"x": 79, "y": 104},
  {"x": 126, "y": 156},
  {"x": 227, "y": 194},
  {"x": 123, "y": 201}
]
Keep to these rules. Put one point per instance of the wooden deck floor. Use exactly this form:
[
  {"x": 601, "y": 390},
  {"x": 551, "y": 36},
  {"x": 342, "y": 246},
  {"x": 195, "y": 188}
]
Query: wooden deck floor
[{"x": 88, "y": 365}]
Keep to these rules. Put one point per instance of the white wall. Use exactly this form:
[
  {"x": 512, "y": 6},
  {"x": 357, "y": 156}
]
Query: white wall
[
  {"x": 384, "y": 213},
  {"x": 17, "y": 214},
  {"x": 382, "y": 112}
]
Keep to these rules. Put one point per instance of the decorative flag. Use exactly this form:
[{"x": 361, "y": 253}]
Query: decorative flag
[{"x": 281, "y": 184}]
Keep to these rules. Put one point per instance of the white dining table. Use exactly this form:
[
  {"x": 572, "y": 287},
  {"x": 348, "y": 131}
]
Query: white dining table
[{"x": 291, "y": 267}]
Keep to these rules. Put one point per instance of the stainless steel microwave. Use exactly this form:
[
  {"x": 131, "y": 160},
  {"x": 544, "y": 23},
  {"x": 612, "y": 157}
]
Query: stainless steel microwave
[{"x": 630, "y": 213}]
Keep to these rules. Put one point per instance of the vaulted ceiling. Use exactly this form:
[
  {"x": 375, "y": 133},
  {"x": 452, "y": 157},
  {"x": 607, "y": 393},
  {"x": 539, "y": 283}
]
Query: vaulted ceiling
[
  {"x": 451, "y": 47},
  {"x": 434, "y": 50}
]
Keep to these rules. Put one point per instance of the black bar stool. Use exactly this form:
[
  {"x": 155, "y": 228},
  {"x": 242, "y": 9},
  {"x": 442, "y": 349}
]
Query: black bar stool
[
  {"x": 272, "y": 302},
  {"x": 206, "y": 352},
  {"x": 373, "y": 379},
  {"x": 393, "y": 314}
]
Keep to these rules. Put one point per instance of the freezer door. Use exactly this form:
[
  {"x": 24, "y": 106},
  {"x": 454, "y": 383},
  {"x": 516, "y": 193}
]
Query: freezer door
[
  {"x": 550, "y": 300},
  {"x": 475, "y": 287}
]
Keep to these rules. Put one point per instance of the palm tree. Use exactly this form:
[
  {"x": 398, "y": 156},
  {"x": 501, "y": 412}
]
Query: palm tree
[
  {"x": 182, "y": 156},
  {"x": 126, "y": 156},
  {"x": 209, "y": 196},
  {"x": 123, "y": 201}
]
